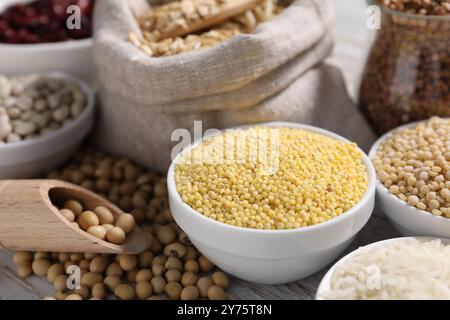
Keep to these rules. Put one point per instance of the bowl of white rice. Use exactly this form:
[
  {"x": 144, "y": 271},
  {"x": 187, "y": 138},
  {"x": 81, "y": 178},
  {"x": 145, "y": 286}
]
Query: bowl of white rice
[{"x": 412, "y": 268}]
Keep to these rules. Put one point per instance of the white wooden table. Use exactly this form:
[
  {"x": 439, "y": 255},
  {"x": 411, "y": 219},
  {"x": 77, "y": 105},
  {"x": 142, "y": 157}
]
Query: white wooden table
[{"x": 352, "y": 40}]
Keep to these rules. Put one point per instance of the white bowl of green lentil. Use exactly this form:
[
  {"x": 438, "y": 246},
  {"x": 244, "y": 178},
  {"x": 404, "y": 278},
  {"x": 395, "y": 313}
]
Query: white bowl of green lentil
[
  {"x": 273, "y": 256},
  {"x": 408, "y": 219}
]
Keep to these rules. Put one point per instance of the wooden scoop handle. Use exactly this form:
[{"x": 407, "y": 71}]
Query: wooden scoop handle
[
  {"x": 29, "y": 221},
  {"x": 229, "y": 10}
]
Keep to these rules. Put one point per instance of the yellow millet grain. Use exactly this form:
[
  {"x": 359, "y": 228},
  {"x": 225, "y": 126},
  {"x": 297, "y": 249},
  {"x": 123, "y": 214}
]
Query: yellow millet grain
[
  {"x": 414, "y": 164},
  {"x": 313, "y": 178}
]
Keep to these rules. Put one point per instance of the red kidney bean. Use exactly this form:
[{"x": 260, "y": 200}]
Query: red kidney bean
[{"x": 44, "y": 21}]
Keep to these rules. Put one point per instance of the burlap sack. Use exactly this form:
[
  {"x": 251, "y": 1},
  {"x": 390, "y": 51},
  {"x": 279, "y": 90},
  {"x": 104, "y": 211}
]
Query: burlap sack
[{"x": 275, "y": 73}]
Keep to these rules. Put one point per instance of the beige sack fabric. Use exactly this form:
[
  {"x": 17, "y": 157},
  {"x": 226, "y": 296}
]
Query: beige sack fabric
[{"x": 275, "y": 73}]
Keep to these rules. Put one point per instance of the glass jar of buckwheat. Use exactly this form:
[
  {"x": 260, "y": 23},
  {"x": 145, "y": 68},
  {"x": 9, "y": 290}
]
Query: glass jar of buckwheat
[{"x": 407, "y": 75}]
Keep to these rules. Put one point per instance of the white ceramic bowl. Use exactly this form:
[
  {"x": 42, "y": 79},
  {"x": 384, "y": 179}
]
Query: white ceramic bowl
[
  {"x": 325, "y": 284},
  {"x": 408, "y": 220},
  {"x": 73, "y": 57},
  {"x": 32, "y": 158},
  {"x": 272, "y": 256}
]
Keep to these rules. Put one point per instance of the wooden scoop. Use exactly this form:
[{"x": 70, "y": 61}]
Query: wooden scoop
[
  {"x": 29, "y": 220},
  {"x": 230, "y": 9}
]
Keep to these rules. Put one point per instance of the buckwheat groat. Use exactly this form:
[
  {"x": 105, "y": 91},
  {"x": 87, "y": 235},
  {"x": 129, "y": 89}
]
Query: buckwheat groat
[{"x": 423, "y": 7}]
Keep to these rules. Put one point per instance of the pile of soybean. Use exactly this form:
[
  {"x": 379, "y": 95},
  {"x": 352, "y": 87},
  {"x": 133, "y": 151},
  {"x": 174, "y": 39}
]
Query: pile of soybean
[
  {"x": 170, "y": 269},
  {"x": 100, "y": 222}
]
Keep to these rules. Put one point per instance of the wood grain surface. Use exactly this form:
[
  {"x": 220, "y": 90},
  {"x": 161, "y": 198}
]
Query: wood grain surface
[{"x": 352, "y": 41}]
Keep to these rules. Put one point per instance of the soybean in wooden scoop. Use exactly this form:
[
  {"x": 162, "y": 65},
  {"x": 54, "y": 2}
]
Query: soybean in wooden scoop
[{"x": 55, "y": 216}]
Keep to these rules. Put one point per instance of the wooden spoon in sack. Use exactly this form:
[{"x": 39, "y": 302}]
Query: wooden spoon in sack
[
  {"x": 227, "y": 10},
  {"x": 30, "y": 221}
]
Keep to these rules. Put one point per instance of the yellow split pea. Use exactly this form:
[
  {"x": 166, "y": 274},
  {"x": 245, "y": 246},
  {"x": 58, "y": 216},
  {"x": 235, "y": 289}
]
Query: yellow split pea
[{"x": 311, "y": 178}]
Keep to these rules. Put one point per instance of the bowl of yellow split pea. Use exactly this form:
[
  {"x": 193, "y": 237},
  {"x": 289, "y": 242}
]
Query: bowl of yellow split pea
[{"x": 272, "y": 203}]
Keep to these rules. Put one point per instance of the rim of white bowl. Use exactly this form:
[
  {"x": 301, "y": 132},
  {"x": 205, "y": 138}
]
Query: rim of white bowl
[
  {"x": 381, "y": 188},
  {"x": 367, "y": 195},
  {"x": 324, "y": 285},
  {"x": 90, "y": 105},
  {"x": 47, "y": 46}
]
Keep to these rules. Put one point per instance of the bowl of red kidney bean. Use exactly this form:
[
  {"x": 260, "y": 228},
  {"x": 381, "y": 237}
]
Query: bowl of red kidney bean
[{"x": 46, "y": 35}]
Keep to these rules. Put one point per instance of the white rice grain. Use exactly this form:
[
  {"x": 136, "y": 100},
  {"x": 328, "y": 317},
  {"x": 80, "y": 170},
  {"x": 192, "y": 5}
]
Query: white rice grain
[{"x": 404, "y": 269}]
